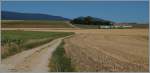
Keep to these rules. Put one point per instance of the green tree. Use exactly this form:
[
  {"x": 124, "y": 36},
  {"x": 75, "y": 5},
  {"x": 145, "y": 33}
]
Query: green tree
[{"x": 88, "y": 20}]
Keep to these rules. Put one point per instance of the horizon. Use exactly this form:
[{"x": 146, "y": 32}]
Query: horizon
[{"x": 117, "y": 11}]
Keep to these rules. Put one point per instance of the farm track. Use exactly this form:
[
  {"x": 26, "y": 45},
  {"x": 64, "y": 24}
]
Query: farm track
[
  {"x": 73, "y": 26},
  {"x": 36, "y": 59}
]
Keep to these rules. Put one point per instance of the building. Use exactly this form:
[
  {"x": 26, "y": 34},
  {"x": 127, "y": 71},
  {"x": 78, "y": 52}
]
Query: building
[
  {"x": 122, "y": 25},
  {"x": 116, "y": 25}
]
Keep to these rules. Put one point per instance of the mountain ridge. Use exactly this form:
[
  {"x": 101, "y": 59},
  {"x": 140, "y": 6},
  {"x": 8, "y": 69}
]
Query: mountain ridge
[{"x": 10, "y": 15}]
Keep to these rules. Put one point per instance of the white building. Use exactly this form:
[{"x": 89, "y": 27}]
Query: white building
[{"x": 116, "y": 25}]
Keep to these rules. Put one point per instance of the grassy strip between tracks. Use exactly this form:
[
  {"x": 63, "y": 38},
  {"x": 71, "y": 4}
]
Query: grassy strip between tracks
[{"x": 59, "y": 62}]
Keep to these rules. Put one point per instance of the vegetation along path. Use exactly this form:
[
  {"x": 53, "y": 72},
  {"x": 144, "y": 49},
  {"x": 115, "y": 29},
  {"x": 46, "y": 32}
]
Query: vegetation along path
[
  {"x": 32, "y": 60},
  {"x": 35, "y": 59}
]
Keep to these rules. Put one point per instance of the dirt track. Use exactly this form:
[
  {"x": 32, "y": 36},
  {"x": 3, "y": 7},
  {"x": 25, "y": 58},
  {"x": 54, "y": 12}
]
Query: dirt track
[
  {"x": 36, "y": 59},
  {"x": 92, "y": 50}
]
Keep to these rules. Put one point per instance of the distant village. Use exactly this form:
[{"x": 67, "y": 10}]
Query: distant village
[{"x": 117, "y": 25}]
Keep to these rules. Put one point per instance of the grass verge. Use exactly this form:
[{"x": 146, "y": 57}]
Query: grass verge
[{"x": 59, "y": 62}]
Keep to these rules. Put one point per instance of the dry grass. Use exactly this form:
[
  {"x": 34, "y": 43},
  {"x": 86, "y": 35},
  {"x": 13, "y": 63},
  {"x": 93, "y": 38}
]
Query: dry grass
[{"x": 124, "y": 50}]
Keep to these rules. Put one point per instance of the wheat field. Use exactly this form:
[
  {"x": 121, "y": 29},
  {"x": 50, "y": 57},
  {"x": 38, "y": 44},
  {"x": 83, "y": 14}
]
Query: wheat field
[{"x": 120, "y": 50}]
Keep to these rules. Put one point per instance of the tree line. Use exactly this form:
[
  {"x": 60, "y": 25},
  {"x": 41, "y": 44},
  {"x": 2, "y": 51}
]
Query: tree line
[{"x": 88, "y": 20}]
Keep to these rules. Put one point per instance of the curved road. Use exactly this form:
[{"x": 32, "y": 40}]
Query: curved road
[{"x": 35, "y": 59}]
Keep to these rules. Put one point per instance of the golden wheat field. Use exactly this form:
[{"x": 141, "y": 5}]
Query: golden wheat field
[{"x": 109, "y": 50}]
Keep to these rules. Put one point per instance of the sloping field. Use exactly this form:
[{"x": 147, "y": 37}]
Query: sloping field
[
  {"x": 123, "y": 50},
  {"x": 34, "y": 24}
]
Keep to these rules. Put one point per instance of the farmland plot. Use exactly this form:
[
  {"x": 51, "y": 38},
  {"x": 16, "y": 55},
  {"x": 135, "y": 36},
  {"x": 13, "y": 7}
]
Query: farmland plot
[
  {"x": 109, "y": 51},
  {"x": 34, "y": 24}
]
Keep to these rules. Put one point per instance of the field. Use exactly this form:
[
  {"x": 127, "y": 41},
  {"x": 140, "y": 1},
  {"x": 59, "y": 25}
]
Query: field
[
  {"x": 16, "y": 41},
  {"x": 88, "y": 50},
  {"x": 109, "y": 50},
  {"x": 34, "y": 24}
]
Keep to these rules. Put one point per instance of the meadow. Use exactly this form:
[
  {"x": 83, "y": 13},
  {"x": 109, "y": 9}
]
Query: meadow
[{"x": 15, "y": 41}]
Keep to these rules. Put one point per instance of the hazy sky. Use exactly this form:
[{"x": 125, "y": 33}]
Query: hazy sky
[{"x": 118, "y": 11}]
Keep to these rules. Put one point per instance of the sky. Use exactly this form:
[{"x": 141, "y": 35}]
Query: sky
[{"x": 117, "y": 11}]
